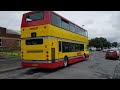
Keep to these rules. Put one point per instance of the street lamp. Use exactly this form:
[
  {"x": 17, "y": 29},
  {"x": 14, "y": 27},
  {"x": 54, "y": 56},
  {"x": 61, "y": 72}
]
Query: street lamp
[{"x": 83, "y": 26}]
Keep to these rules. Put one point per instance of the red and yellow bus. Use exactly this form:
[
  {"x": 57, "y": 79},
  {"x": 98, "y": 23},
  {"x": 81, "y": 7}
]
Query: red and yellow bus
[{"x": 48, "y": 40}]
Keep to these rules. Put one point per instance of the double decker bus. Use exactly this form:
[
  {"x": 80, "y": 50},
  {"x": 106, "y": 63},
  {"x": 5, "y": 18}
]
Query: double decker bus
[{"x": 49, "y": 40}]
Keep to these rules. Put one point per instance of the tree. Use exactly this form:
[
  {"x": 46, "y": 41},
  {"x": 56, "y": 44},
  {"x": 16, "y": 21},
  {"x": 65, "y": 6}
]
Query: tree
[
  {"x": 99, "y": 43},
  {"x": 114, "y": 44}
]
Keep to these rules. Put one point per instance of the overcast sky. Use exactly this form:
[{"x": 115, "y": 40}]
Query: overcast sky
[{"x": 98, "y": 23}]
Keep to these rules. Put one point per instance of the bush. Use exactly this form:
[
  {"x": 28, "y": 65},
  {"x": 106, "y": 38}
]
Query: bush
[
  {"x": 8, "y": 50},
  {"x": 11, "y": 52}
]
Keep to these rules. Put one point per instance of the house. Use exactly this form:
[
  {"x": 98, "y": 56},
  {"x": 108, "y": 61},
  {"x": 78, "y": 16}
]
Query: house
[{"x": 9, "y": 39}]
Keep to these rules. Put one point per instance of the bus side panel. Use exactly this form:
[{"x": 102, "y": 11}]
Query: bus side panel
[
  {"x": 58, "y": 32},
  {"x": 77, "y": 59},
  {"x": 86, "y": 49},
  {"x": 73, "y": 57}
]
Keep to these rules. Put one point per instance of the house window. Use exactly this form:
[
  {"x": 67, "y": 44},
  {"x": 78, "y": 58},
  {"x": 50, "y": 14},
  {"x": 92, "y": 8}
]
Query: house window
[
  {"x": 0, "y": 42},
  {"x": 18, "y": 43}
]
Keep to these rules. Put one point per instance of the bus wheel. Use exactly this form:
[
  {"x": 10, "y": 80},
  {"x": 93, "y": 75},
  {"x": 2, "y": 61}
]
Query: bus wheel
[
  {"x": 84, "y": 55},
  {"x": 65, "y": 61},
  {"x": 117, "y": 57}
]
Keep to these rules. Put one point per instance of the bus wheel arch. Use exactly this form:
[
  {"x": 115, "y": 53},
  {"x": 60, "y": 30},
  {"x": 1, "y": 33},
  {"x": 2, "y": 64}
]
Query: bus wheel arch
[{"x": 65, "y": 61}]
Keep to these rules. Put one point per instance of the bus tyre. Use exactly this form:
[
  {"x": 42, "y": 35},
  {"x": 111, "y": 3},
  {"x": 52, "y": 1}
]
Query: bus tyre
[
  {"x": 84, "y": 55},
  {"x": 106, "y": 57},
  {"x": 117, "y": 57},
  {"x": 65, "y": 61}
]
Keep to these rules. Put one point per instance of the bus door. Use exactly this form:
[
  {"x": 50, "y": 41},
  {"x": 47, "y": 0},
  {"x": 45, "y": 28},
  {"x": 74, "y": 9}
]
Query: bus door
[
  {"x": 60, "y": 49},
  {"x": 53, "y": 53}
]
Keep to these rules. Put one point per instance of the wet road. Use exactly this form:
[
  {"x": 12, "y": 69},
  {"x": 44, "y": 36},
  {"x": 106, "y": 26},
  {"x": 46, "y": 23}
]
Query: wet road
[{"x": 96, "y": 67}]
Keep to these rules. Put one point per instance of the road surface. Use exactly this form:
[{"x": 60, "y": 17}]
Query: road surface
[{"x": 96, "y": 67}]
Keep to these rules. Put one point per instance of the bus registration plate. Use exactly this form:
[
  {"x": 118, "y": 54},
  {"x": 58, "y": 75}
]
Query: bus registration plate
[{"x": 34, "y": 64}]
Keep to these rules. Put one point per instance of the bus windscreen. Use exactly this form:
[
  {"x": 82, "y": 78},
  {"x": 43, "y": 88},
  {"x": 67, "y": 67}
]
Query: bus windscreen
[{"x": 35, "y": 16}]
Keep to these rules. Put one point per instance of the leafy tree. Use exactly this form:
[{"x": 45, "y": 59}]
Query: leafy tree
[
  {"x": 99, "y": 43},
  {"x": 114, "y": 44}
]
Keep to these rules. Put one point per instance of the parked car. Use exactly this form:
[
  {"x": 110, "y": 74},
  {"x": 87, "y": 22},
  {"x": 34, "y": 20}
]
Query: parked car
[
  {"x": 99, "y": 49},
  {"x": 112, "y": 53},
  {"x": 104, "y": 50},
  {"x": 92, "y": 48}
]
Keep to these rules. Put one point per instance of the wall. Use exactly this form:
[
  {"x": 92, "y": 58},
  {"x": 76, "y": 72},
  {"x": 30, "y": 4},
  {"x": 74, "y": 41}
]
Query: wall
[{"x": 9, "y": 40}]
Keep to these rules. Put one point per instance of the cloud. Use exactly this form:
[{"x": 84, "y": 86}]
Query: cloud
[
  {"x": 89, "y": 22},
  {"x": 115, "y": 21},
  {"x": 11, "y": 19},
  {"x": 98, "y": 23}
]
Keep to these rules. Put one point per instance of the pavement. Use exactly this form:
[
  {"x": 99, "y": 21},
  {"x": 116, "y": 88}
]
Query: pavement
[{"x": 9, "y": 63}]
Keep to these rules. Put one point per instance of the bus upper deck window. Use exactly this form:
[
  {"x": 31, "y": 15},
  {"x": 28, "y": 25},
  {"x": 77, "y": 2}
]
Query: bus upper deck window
[{"x": 35, "y": 16}]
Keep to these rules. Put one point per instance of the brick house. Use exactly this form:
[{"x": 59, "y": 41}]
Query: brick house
[{"x": 9, "y": 39}]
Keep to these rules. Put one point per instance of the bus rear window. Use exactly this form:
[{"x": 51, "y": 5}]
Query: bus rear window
[
  {"x": 35, "y": 16},
  {"x": 34, "y": 41}
]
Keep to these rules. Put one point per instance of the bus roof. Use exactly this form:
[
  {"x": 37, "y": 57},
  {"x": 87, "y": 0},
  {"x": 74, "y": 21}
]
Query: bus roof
[{"x": 59, "y": 16}]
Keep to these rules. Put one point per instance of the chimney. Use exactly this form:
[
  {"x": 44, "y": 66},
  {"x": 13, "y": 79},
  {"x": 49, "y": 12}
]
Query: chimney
[{"x": 2, "y": 31}]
